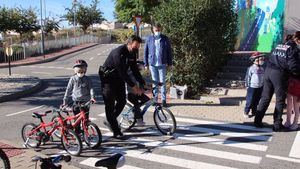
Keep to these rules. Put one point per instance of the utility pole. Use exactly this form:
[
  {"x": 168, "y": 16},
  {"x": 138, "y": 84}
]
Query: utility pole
[
  {"x": 42, "y": 33},
  {"x": 74, "y": 11}
]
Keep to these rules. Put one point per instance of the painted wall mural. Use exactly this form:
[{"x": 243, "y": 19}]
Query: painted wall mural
[{"x": 260, "y": 24}]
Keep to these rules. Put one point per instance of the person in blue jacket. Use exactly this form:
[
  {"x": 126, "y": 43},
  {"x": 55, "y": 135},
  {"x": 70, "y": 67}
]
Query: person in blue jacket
[{"x": 158, "y": 56}]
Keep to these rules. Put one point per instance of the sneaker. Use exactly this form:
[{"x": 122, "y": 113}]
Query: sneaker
[
  {"x": 258, "y": 124},
  {"x": 140, "y": 122},
  {"x": 277, "y": 127},
  {"x": 294, "y": 127},
  {"x": 287, "y": 124},
  {"x": 108, "y": 126},
  {"x": 246, "y": 115},
  {"x": 118, "y": 135}
]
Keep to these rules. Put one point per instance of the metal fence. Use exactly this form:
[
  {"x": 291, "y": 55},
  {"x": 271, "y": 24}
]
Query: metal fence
[{"x": 29, "y": 49}]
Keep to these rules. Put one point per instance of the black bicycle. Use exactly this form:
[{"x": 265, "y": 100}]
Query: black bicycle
[
  {"x": 51, "y": 162},
  {"x": 4, "y": 161},
  {"x": 163, "y": 117}
]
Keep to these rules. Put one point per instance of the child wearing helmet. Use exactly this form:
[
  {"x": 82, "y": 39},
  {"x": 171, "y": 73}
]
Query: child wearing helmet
[
  {"x": 254, "y": 83},
  {"x": 79, "y": 87}
]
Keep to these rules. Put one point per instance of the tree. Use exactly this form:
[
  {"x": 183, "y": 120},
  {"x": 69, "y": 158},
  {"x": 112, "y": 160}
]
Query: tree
[
  {"x": 202, "y": 32},
  {"x": 5, "y": 23},
  {"x": 51, "y": 25},
  {"x": 85, "y": 15},
  {"x": 126, "y": 9},
  {"x": 24, "y": 21}
]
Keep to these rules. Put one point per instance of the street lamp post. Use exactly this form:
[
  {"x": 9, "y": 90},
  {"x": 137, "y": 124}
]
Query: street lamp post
[
  {"x": 42, "y": 29},
  {"x": 74, "y": 11}
]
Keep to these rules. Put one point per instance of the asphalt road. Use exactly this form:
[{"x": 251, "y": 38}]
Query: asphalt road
[{"x": 197, "y": 143}]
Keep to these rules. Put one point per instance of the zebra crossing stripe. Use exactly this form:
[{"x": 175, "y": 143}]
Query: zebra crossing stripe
[
  {"x": 178, "y": 162},
  {"x": 223, "y": 142},
  {"x": 223, "y": 124},
  {"x": 200, "y": 151},
  {"x": 252, "y": 136},
  {"x": 295, "y": 150},
  {"x": 91, "y": 163},
  {"x": 283, "y": 158}
]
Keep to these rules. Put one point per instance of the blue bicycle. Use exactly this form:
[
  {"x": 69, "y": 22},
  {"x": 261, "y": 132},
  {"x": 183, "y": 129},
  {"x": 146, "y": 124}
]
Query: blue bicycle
[{"x": 163, "y": 117}]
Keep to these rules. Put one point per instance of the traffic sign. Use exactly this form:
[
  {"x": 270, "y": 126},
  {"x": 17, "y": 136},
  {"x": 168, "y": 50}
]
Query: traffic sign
[{"x": 9, "y": 51}]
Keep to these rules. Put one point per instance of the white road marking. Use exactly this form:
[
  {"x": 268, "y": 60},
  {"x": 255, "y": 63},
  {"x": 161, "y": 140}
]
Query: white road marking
[
  {"x": 47, "y": 67},
  {"x": 283, "y": 158},
  {"x": 253, "y": 136},
  {"x": 200, "y": 151},
  {"x": 91, "y": 162},
  {"x": 223, "y": 124},
  {"x": 91, "y": 58},
  {"x": 46, "y": 73},
  {"x": 295, "y": 150},
  {"x": 178, "y": 162},
  {"x": 224, "y": 142},
  {"x": 12, "y": 114}
]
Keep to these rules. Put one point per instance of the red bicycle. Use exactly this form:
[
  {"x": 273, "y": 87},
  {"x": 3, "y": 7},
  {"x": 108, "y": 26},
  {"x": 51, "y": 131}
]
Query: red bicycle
[
  {"x": 33, "y": 135},
  {"x": 91, "y": 133}
]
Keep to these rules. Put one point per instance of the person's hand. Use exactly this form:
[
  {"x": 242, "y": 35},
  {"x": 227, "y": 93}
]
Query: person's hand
[
  {"x": 146, "y": 68},
  {"x": 93, "y": 101},
  {"x": 137, "y": 90}
]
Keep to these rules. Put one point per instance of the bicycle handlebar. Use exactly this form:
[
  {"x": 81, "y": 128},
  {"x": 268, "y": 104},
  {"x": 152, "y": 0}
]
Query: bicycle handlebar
[{"x": 54, "y": 159}]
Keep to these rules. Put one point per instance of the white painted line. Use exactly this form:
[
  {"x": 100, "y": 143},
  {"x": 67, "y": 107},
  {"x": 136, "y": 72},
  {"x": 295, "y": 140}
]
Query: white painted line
[
  {"x": 46, "y": 73},
  {"x": 91, "y": 58},
  {"x": 12, "y": 114},
  {"x": 249, "y": 135},
  {"x": 200, "y": 151},
  {"x": 283, "y": 158},
  {"x": 223, "y": 124},
  {"x": 93, "y": 119},
  {"x": 91, "y": 163},
  {"x": 179, "y": 162},
  {"x": 102, "y": 115},
  {"x": 223, "y": 142},
  {"x": 295, "y": 150}
]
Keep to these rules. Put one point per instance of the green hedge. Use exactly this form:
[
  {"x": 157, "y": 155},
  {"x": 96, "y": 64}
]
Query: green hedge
[{"x": 201, "y": 33}]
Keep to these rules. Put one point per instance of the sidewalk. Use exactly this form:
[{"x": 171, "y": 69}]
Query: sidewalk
[
  {"x": 48, "y": 57},
  {"x": 20, "y": 158}
]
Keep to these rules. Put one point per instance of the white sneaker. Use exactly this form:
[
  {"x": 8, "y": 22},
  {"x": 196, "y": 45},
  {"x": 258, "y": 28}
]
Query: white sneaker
[
  {"x": 140, "y": 123},
  {"x": 294, "y": 127}
]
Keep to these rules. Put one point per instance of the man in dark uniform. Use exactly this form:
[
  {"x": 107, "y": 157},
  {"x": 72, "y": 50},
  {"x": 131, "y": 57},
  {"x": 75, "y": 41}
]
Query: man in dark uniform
[
  {"x": 113, "y": 76},
  {"x": 281, "y": 63}
]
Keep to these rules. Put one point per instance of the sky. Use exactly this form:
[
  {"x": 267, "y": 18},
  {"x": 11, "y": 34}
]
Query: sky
[{"x": 56, "y": 8}]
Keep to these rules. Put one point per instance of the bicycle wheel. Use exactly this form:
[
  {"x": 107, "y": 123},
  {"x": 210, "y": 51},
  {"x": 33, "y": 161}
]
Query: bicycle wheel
[
  {"x": 93, "y": 137},
  {"x": 164, "y": 120},
  {"x": 71, "y": 142},
  {"x": 4, "y": 161},
  {"x": 33, "y": 140},
  {"x": 126, "y": 118}
]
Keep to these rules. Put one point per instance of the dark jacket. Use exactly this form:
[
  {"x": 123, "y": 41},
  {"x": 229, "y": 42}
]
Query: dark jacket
[
  {"x": 120, "y": 60},
  {"x": 285, "y": 57},
  {"x": 165, "y": 51}
]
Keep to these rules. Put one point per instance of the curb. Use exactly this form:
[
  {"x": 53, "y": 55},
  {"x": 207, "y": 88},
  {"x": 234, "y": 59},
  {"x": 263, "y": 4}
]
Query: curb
[
  {"x": 23, "y": 93},
  {"x": 48, "y": 59}
]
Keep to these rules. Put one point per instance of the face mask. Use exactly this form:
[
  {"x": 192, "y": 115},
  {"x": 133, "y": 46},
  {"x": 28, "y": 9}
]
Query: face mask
[
  {"x": 261, "y": 63},
  {"x": 80, "y": 74},
  {"x": 135, "y": 50},
  {"x": 157, "y": 34}
]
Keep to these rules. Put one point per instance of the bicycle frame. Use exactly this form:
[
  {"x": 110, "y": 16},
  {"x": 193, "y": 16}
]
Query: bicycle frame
[{"x": 42, "y": 126}]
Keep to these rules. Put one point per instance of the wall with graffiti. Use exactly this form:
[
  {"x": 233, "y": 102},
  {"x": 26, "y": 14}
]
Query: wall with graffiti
[{"x": 261, "y": 24}]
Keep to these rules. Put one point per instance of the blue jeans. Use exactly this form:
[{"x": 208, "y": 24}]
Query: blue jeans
[
  {"x": 158, "y": 74},
  {"x": 252, "y": 99}
]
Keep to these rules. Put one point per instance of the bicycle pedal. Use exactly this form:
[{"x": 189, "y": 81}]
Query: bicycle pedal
[{"x": 25, "y": 146}]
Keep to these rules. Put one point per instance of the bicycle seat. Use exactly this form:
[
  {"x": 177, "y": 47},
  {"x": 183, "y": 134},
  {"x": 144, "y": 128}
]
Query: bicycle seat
[{"x": 37, "y": 115}]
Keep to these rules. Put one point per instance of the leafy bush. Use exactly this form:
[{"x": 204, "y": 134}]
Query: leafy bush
[
  {"x": 201, "y": 33},
  {"x": 121, "y": 35}
]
